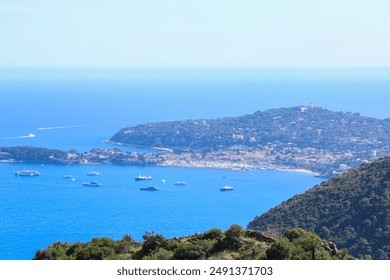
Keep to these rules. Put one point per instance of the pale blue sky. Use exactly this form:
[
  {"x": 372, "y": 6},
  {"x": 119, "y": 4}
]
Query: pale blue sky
[{"x": 195, "y": 33}]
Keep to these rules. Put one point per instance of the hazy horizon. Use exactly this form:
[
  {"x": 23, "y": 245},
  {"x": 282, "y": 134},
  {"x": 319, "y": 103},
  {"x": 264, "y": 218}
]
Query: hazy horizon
[{"x": 174, "y": 33}]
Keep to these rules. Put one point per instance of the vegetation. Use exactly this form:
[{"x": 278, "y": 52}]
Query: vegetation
[
  {"x": 33, "y": 154},
  {"x": 304, "y": 137},
  {"x": 352, "y": 210},
  {"x": 233, "y": 244},
  {"x": 310, "y": 138},
  {"x": 300, "y": 126},
  {"x": 97, "y": 156}
]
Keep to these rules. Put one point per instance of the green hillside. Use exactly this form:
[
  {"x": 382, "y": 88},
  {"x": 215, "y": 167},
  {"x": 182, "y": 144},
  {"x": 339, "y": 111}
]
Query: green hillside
[
  {"x": 233, "y": 244},
  {"x": 352, "y": 210},
  {"x": 303, "y": 137}
]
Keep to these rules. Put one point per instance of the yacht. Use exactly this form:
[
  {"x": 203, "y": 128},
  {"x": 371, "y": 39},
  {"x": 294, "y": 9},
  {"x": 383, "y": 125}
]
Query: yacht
[
  {"x": 28, "y": 173},
  {"x": 227, "y": 188},
  {"x": 92, "y": 184},
  {"x": 153, "y": 188},
  {"x": 180, "y": 183},
  {"x": 93, "y": 173},
  {"x": 142, "y": 178},
  {"x": 67, "y": 176}
]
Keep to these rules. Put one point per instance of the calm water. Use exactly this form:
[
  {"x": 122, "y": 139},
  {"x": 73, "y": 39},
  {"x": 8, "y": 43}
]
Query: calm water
[
  {"x": 38, "y": 211},
  {"x": 79, "y": 110}
]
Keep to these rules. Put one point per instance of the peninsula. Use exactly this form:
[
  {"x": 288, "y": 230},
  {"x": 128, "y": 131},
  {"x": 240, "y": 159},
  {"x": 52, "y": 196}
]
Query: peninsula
[
  {"x": 297, "y": 138},
  {"x": 303, "y": 139}
]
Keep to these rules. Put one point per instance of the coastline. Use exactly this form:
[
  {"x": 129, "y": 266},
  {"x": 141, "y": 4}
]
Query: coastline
[
  {"x": 241, "y": 168},
  {"x": 299, "y": 170},
  {"x": 228, "y": 160},
  {"x": 171, "y": 160}
]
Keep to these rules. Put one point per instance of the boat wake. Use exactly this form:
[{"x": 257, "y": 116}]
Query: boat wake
[
  {"x": 30, "y": 135},
  {"x": 61, "y": 127},
  {"x": 77, "y": 126}
]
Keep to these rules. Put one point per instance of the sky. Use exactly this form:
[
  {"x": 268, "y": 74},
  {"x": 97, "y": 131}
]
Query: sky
[{"x": 194, "y": 33}]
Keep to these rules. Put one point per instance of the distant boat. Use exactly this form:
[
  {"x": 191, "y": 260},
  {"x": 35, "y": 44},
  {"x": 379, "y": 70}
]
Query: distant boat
[
  {"x": 93, "y": 173},
  {"x": 67, "y": 176},
  {"x": 227, "y": 188},
  {"x": 180, "y": 183},
  {"x": 153, "y": 188},
  {"x": 163, "y": 181},
  {"x": 142, "y": 178},
  {"x": 31, "y": 135},
  {"x": 27, "y": 173},
  {"x": 92, "y": 184}
]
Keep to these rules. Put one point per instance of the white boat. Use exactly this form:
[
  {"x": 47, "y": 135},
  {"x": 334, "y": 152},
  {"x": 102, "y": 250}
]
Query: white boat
[
  {"x": 93, "y": 173},
  {"x": 67, "y": 176},
  {"x": 152, "y": 188},
  {"x": 227, "y": 188},
  {"x": 92, "y": 184},
  {"x": 180, "y": 183},
  {"x": 142, "y": 178},
  {"x": 27, "y": 173},
  {"x": 163, "y": 181}
]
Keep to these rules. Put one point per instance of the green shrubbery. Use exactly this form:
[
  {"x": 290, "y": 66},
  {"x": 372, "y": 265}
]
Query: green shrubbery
[{"x": 233, "y": 244}]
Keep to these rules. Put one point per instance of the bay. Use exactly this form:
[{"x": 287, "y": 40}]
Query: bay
[
  {"x": 38, "y": 211},
  {"x": 80, "y": 109}
]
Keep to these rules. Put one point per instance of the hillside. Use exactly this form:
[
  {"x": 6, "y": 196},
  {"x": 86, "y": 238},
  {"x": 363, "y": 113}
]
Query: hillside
[
  {"x": 95, "y": 156},
  {"x": 352, "y": 210},
  {"x": 33, "y": 154},
  {"x": 304, "y": 137},
  {"x": 233, "y": 244}
]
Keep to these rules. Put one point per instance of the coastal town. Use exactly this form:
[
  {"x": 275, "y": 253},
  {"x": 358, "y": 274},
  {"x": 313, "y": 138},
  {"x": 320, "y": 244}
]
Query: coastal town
[
  {"x": 239, "y": 160},
  {"x": 303, "y": 139}
]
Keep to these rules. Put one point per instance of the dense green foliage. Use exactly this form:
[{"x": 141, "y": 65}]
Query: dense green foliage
[
  {"x": 33, "y": 154},
  {"x": 298, "y": 244},
  {"x": 235, "y": 243},
  {"x": 96, "y": 156},
  {"x": 312, "y": 126},
  {"x": 279, "y": 129},
  {"x": 352, "y": 210}
]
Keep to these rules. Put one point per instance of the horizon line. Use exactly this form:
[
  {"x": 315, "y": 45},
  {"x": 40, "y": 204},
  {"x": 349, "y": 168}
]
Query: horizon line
[{"x": 193, "y": 68}]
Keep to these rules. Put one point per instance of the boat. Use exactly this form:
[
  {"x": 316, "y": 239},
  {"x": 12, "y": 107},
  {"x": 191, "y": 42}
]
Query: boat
[
  {"x": 152, "y": 188},
  {"x": 93, "y": 173},
  {"x": 27, "y": 173},
  {"x": 67, "y": 176},
  {"x": 92, "y": 184},
  {"x": 180, "y": 183},
  {"x": 227, "y": 188},
  {"x": 142, "y": 178},
  {"x": 163, "y": 181}
]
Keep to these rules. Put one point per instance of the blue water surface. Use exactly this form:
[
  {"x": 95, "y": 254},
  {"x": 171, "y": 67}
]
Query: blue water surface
[
  {"x": 37, "y": 211},
  {"x": 79, "y": 109}
]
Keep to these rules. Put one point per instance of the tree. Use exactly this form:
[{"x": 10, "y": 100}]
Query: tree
[
  {"x": 189, "y": 251},
  {"x": 213, "y": 233},
  {"x": 280, "y": 250},
  {"x": 234, "y": 234},
  {"x": 152, "y": 242}
]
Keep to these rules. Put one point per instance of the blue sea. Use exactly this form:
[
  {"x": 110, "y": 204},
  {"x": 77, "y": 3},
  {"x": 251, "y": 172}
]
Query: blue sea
[{"x": 80, "y": 108}]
